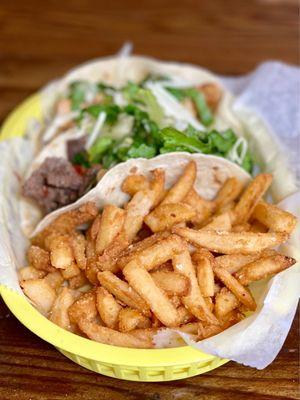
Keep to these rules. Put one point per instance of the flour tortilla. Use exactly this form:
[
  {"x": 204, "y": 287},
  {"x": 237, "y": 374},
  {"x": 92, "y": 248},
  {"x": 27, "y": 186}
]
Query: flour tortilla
[
  {"x": 212, "y": 172},
  {"x": 117, "y": 71}
]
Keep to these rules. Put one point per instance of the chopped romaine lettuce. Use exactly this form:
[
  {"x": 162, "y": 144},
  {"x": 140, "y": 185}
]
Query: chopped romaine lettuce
[
  {"x": 112, "y": 111},
  {"x": 99, "y": 148}
]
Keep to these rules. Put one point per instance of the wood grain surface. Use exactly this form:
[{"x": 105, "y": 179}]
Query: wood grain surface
[{"x": 41, "y": 40}]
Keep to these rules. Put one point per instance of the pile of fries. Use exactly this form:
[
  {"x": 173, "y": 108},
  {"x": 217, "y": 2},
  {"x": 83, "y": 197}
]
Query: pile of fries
[{"x": 168, "y": 259}]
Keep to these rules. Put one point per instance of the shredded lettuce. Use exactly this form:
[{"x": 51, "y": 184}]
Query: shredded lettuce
[{"x": 138, "y": 126}]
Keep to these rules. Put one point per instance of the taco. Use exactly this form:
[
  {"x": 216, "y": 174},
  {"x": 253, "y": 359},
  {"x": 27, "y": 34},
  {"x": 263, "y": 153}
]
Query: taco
[{"x": 113, "y": 110}]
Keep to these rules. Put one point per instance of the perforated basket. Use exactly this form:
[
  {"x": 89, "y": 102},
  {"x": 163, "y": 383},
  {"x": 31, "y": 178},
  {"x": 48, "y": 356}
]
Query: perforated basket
[{"x": 117, "y": 362}]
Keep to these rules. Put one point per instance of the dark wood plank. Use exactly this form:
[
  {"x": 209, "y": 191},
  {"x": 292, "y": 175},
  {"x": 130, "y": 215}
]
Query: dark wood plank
[{"x": 39, "y": 41}]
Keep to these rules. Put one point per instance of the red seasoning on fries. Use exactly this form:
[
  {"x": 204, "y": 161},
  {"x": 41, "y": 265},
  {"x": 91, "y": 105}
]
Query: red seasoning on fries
[{"x": 167, "y": 259}]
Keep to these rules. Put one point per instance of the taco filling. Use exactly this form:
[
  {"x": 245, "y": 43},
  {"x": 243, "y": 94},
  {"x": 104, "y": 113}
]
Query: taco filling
[{"x": 110, "y": 125}]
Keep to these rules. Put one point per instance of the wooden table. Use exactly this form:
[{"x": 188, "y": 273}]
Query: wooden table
[{"x": 41, "y": 40}]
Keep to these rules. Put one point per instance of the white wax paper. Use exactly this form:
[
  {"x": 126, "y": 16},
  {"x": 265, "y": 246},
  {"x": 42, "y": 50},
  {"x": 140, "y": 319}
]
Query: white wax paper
[{"x": 271, "y": 92}]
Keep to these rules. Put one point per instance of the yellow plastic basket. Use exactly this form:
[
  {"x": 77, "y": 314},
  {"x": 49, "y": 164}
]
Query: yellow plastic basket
[{"x": 117, "y": 362}]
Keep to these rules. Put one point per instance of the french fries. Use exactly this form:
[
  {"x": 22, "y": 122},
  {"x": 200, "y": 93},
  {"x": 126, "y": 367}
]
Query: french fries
[
  {"x": 112, "y": 221},
  {"x": 84, "y": 307},
  {"x": 194, "y": 301},
  {"x": 203, "y": 261},
  {"x": 67, "y": 222},
  {"x": 241, "y": 293},
  {"x": 225, "y": 303},
  {"x": 167, "y": 259},
  {"x": 108, "y": 307},
  {"x": 182, "y": 187},
  {"x": 78, "y": 244},
  {"x": 59, "y": 311},
  {"x": 221, "y": 222},
  {"x": 142, "y": 283},
  {"x": 61, "y": 253},
  {"x": 130, "y": 319},
  {"x": 26, "y": 273},
  {"x": 159, "y": 252},
  {"x": 167, "y": 215},
  {"x": 263, "y": 267},
  {"x": 233, "y": 262},
  {"x": 251, "y": 196},
  {"x": 171, "y": 282},
  {"x": 40, "y": 292},
  {"x": 274, "y": 218},
  {"x": 203, "y": 208},
  {"x": 228, "y": 193},
  {"x": 39, "y": 258},
  {"x": 232, "y": 242},
  {"x": 106, "y": 335},
  {"x": 135, "y": 183},
  {"x": 122, "y": 291}
]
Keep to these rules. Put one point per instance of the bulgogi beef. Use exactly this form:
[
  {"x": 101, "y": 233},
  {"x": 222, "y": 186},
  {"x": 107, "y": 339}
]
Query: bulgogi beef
[{"x": 57, "y": 183}]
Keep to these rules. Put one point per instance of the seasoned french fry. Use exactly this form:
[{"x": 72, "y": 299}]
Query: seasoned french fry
[
  {"x": 157, "y": 185},
  {"x": 233, "y": 262},
  {"x": 203, "y": 261},
  {"x": 258, "y": 227},
  {"x": 194, "y": 301},
  {"x": 78, "y": 244},
  {"x": 203, "y": 208},
  {"x": 78, "y": 281},
  {"x": 135, "y": 183},
  {"x": 40, "y": 292},
  {"x": 71, "y": 271},
  {"x": 39, "y": 259},
  {"x": 191, "y": 328},
  {"x": 242, "y": 294},
  {"x": 209, "y": 303},
  {"x": 274, "y": 218},
  {"x": 59, "y": 311},
  {"x": 160, "y": 252},
  {"x": 94, "y": 228},
  {"x": 227, "y": 207},
  {"x": 251, "y": 196},
  {"x": 138, "y": 207},
  {"x": 66, "y": 223},
  {"x": 137, "y": 247},
  {"x": 263, "y": 267},
  {"x": 246, "y": 227},
  {"x": 232, "y": 242},
  {"x": 171, "y": 282},
  {"x": 165, "y": 216},
  {"x": 61, "y": 253},
  {"x": 26, "y": 273},
  {"x": 85, "y": 307},
  {"x": 175, "y": 300},
  {"x": 108, "y": 307},
  {"x": 108, "y": 260},
  {"x": 221, "y": 222},
  {"x": 145, "y": 335},
  {"x": 225, "y": 302},
  {"x": 184, "y": 315},
  {"x": 159, "y": 303},
  {"x": 229, "y": 192},
  {"x": 112, "y": 221},
  {"x": 182, "y": 187},
  {"x": 206, "y": 331},
  {"x": 123, "y": 292},
  {"x": 130, "y": 319},
  {"x": 109, "y": 336},
  {"x": 54, "y": 279}
]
